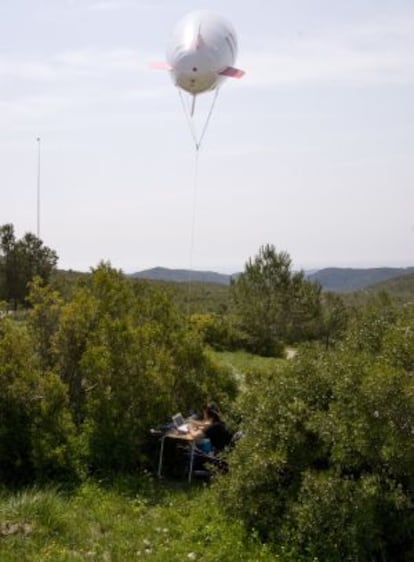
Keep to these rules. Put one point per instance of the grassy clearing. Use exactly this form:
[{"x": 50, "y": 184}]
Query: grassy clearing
[
  {"x": 122, "y": 522},
  {"x": 242, "y": 362}
]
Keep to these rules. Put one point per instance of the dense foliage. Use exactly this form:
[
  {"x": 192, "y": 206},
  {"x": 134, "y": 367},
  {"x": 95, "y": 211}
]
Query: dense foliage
[
  {"x": 326, "y": 466},
  {"x": 20, "y": 261},
  {"x": 37, "y": 434},
  {"x": 84, "y": 379}
]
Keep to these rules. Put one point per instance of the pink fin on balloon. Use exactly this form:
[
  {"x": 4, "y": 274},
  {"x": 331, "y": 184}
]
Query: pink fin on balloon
[
  {"x": 160, "y": 65},
  {"x": 232, "y": 72}
]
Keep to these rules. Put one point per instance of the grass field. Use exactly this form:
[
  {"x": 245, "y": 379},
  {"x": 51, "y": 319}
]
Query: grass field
[
  {"x": 124, "y": 521},
  {"x": 241, "y": 362}
]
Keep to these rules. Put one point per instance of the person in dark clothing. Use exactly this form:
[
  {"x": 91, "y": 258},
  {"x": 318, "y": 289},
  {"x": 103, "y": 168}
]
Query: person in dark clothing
[
  {"x": 217, "y": 431},
  {"x": 212, "y": 437},
  {"x": 212, "y": 427}
]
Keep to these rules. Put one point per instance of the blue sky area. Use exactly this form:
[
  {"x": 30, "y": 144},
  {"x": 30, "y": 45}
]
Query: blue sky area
[{"x": 311, "y": 151}]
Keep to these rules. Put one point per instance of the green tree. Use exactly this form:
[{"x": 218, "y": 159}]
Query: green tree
[
  {"x": 326, "y": 465},
  {"x": 140, "y": 363},
  {"x": 84, "y": 379},
  {"x": 220, "y": 331},
  {"x": 398, "y": 341},
  {"x": 44, "y": 319},
  {"x": 369, "y": 324},
  {"x": 37, "y": 436},
  {"x": 127, "y": 358},
  {"x": 334, "y": 318},
  {"x": 20, "y": 261},
  {"x": 275, "y": 304}
]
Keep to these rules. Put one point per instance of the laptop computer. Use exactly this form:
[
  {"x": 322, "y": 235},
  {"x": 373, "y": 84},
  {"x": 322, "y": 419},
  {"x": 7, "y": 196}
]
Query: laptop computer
[{"x": 179, "y": 423}]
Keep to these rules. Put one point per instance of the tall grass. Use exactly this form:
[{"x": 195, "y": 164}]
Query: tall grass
[{"x": 128, "y": 520}]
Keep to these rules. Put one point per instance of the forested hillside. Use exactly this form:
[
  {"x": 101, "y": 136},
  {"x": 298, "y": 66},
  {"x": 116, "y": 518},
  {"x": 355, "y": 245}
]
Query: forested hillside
[
  {"x": 400, "y": 287},
  {"x": 344, "y": 280},
  {"x": 335, "y": 279},
  {"x": 182, "y": 275}
]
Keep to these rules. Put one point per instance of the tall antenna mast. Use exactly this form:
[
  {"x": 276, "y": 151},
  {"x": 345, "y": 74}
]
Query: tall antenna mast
[{"x": 38, "y": 187}]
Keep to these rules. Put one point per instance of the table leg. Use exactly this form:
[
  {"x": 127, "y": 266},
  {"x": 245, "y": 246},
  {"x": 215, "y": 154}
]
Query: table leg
[
  {"x": 161, "y": 456},
  {"x": 190, "y": 469}
]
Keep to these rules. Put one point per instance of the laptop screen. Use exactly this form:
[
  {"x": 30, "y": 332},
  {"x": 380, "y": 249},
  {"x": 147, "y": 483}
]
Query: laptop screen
[{"x": 178, "y": 420}]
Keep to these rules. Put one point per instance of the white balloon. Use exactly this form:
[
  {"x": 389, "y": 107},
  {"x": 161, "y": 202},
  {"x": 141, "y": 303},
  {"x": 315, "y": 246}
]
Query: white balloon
[{"x": 202, "y": 52}]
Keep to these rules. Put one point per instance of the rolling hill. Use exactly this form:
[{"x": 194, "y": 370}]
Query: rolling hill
[
  {"x": 182, "y": 275},
  {"x": 344, "y": 280},
  {"x": 401, "y": 287},
  {"x": 336, "y": 279}
]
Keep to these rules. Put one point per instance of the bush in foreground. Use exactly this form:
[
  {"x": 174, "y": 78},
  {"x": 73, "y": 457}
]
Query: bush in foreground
[
  {"x": 84, "y": 379},
  {"x": 326, "y": 467}
]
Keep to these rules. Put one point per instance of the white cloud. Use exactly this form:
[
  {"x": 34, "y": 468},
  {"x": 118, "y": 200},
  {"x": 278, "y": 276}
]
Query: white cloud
[
  {"x": 372, "y": 53},
  {"x": 110, "y": 5},
  {"x": 87, "y": 80},
  {"x": 27, "y": 69},
  {"x": 105, "y": 6},
  {"x": 94, "y": 61},
  {"x": 77, "y": 67}
]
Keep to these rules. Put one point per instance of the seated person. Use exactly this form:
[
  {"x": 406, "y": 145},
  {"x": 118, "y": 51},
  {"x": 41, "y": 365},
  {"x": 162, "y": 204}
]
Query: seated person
[{"x": 213, "y": 428}]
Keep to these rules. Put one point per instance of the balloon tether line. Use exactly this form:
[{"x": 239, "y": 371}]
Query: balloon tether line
[
  {"x": 197, "y": 144},
  {"x": 198, "y": 140},
  {"x": 193, "y": 221}
]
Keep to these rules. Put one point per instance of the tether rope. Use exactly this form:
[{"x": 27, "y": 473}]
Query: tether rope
[
  {"x": 198, "y": 140},
  {"x": 194, "y": 210},
  {"x": 197, "y": 144}
]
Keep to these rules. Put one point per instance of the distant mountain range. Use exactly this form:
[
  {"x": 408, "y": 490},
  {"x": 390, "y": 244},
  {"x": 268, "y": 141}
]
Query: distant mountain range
[
  {"x": 334, "y": 279},
  {"x": 183, "y": 275},
  {"x": 345, "y": 280}
]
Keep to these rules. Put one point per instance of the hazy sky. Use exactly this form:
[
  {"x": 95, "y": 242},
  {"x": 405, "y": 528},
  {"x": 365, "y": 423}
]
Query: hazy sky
[{"x": 313, "y": 151}]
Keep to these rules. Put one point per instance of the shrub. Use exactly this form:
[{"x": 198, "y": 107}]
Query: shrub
[
  {"x": 221, "y": 332},
  {"x": 128, "y": 360},
  {"x": 326, "y": 465},
  {"x": 37, "y": 436}
]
